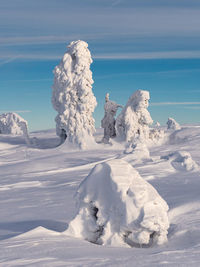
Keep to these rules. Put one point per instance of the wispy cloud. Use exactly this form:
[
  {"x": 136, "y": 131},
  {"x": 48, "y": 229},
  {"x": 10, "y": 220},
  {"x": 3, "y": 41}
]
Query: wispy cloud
[
  {"x": 36, "y": 40},
  {"x": 174, "y": 103},
  {"x": 193, "y": 108},
  {"x": 15, "y": 111},
  {"x": 152, "y": 55},
  {"x": 9, "y": 60},
  {"x": 133, "y": 56}
]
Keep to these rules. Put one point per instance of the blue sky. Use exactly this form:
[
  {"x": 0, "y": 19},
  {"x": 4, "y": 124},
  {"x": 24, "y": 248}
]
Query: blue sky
[{"x": 143, "y": 44}]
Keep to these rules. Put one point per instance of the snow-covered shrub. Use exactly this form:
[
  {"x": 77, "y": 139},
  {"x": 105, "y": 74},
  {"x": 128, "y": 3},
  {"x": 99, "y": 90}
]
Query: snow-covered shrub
[
  {"x": 12, "y": 123},
  {"x": 119, "y": 208},
  {"x": 156, "y": 135},
  {"x": 172, "y": 124},
  {"x": 182, "y": 160},
  {"x": 108, "y": 121},
  {"x": 72, "y": 97},
  {"x": 138, "y": 149},
  {"x": 134, "y": 119}
]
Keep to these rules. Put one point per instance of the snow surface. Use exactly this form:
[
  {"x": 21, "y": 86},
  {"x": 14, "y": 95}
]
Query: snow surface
[{"x": 37, "y": 188}]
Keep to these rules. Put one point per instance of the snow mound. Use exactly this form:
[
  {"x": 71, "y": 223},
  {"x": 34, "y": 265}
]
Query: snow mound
[
  {"x": 172, "y": 124},
  {"x": 117, "y": 207},
  {"x": 182, "y": 160},
  {"x": 12, "y": 123}
]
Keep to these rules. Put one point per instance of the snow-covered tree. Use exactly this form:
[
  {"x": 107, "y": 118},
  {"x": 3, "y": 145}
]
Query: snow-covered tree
[
  {"x": 134, "y": 120},
  {"x": 172, "y": 124},
  {"x": 157, "y": 124},
  {"x": 108, "y": 121},
  {"x": 12, "y": 123},
  {"x": 72, "y": 97},
  {"x": 118, "y": 207}
]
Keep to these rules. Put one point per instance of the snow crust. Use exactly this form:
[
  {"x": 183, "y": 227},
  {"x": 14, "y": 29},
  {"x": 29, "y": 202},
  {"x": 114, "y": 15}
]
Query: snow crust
[
  {"x": 119, "y": 208},
  {"x": 12, "y": 123},
  {"x": 72, "y": 96},
  {"x": 134, "y": 119},
  {"x": 108, "y": 121},
  {"x": 172, "y": 124}
]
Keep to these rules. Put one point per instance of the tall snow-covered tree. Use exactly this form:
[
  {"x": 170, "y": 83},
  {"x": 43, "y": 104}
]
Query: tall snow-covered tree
[
  {"x": 134, "y": 119},
  {"x": 108, "y": 121},
  {"x": 72, "y": 97}
]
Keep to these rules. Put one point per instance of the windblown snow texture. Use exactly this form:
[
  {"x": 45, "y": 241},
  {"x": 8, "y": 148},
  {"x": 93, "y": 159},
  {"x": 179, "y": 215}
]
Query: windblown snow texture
[
  {"x": 72, "y": 97},
  {"x": 119, "y": 208},
  {"x": 134, "y": 119}
]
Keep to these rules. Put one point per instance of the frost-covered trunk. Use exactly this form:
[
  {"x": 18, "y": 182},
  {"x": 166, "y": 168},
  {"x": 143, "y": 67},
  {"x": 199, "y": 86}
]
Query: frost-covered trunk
[
  {"x": 72, "y": 97},
  {"x": 108, "y": 121}
]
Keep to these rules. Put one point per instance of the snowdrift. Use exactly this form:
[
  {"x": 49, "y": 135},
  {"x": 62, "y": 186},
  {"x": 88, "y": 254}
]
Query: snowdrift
[{"x": 117, "y": 207}]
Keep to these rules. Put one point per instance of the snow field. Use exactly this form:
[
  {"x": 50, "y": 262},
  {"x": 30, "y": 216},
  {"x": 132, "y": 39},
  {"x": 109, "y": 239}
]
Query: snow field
[{"x": 37, "y": 202}]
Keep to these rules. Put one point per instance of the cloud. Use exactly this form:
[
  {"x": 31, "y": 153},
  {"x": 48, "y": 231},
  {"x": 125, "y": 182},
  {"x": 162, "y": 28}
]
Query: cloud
[
  {"x": 174, "y": 103},
  {"x": 16, "y": 111},
  {"x": 152, "y": 55},
  {"x": 193, "y": 108},
  {"x": 8, "y": 60},
  {"x": 137, "y": 56}
]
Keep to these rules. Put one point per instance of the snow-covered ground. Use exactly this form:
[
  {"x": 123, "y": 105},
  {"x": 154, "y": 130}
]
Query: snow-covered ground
[{"x": 37, "y": 187}]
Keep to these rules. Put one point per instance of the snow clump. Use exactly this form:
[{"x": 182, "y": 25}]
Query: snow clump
[
  {"x": 182, "y": 160},
  {"x": 108, "y": 121},
  {"x": 119, "y": 208},
  {"x": 72, "y": 96},
  {"x": 157, "y": 124},
  {"x": 12, "y": 123},
  {"x": 134, "y": 119},
  {"x": 172, "y": 124}
]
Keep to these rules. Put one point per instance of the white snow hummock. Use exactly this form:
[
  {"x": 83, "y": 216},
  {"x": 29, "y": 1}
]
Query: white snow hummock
[
  {"x": 12, "y": 123},
  {"x": 172, "y": 124},
  {"x": 119, "y": 208},
  {"x": 72, "y": 96},
  {"x": 108, "y": 121},
  {"x": 182, "y": 160},
  {"x": 134, "y": 119}
]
